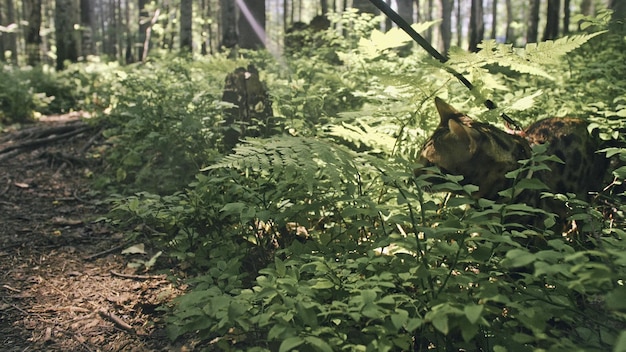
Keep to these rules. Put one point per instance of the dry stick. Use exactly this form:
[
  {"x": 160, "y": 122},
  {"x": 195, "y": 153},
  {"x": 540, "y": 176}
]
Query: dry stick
[
  {"x": 91, "y": 140},
  {"x": 116, "y": 320},
  {"x": 140, "y": 277},
  {"x": 96, "y": 255}
]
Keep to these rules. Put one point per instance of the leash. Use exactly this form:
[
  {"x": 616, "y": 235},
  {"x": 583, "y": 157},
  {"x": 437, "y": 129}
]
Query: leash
[{"x": 406, "y": 27}]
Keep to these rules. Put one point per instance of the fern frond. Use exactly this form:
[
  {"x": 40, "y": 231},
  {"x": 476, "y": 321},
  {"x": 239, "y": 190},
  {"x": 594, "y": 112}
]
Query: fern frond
[
  {"x": 549, "y": 50},
  {"x": 528, "y": 60},
  {"x": 299, "y": 159}
]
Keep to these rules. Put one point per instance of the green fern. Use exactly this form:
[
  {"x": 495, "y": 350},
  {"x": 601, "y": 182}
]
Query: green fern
[
  {"x": 293, "y": 159},
  {"x": 528, "y": 60}
]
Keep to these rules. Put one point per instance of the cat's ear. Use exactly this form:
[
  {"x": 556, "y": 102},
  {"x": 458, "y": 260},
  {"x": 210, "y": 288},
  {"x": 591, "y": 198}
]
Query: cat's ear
[
  {"x": 466, "y": 135},
  {"x": 446, "y": 112}
]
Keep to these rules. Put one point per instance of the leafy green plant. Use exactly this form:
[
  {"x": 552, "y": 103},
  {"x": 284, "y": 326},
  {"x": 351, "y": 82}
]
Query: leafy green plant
[{"x": 377, "y": 262}]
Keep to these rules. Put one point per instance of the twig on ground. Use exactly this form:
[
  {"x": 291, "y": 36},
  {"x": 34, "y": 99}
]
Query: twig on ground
[
  {"x": 116, "y": 320},
  {"x": 139, "y": 277},
  {"x": 99, "y": 254}
]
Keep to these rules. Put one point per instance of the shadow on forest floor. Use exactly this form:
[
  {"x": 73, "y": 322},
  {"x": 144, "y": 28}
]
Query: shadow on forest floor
[{"x": 64, "y": 285}]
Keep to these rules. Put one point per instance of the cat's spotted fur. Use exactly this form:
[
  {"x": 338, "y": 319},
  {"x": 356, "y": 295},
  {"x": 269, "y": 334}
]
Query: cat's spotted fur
[{"x": 483, "y": 154}]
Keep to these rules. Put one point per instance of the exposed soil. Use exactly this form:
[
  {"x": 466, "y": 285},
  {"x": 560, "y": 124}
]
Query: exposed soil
[{"x": 64, "y": 284}]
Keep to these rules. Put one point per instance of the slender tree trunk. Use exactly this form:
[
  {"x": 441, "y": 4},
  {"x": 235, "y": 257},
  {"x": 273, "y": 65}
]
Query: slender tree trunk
[
  {"x": 229, "y": 24},
  {"x": 86, "y": 26},
  {"x": 144, "y": 24},
  {"x": 365, "y": 6},
  {"x": 494, "y": 19},
  {"x": 32, "y": 12},
  {"x": 509, "y": 21},
  {"x": 324, "y": 6},
  {"x": 618, "y": 19},
  {"x": 476, "y": 25},
  {"x": 251, "y": 24},
  {"x": 405, "y": 9},
  {"x": 388, "y": 22},
  {"x": 532, "y": 32},
  {"x": 186, "y": 9},
  {"x": 446, "y": 25},
  {"x": 552, "y": 20},
  {"x": 205, "y": 10},
  {"x": 459, "y": 24},
  {"x": 65, "y": 34},
  {"x": 10, "y": 38},
  {"x": 418, "y": 13},
  {"x": 566, "y": 16},
  {"x": 429, "y": 17}
]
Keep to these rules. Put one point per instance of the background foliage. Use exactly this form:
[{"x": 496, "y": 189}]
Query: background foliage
[{"x": 321, "y": 238}]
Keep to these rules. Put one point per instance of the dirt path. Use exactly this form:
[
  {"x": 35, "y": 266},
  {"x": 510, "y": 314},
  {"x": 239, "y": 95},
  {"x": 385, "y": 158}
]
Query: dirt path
[{"x": 60, "y": 282}]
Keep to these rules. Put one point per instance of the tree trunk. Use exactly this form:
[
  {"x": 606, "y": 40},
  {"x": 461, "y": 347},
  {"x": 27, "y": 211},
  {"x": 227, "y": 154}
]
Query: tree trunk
[
  {"x": 532, "y": 32},
  {"x": 405, "y": 9},
  {"x": 476, "y": 25},
  {"x": 552, "y": 20},
  {"x": 618, "y": 19},
  {"x": 9, "y": 39},
  {"x": 65, "y": 33},
  {"x": 494, "y": 19},
  {"x": 324, "y": 5},
  {"x": 143, "y": 28},
  {"x": 365, "y": 6},
  {"x": 459, "y": 24},
  {"x": 509, "y": 21},
  {"x": 86, "y": 24},
  {"x": 429, "y": 17},
  {"x": 229, "y": 24},
  {"x": 566, "y": 16},
  {"x": 251, "y": 24},
  {"x": 446, "y": 25},
  {"x": 186, "y": 9},
  {"x": 32, "y": 13}
]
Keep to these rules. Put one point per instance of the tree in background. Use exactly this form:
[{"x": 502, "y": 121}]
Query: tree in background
[
  {"x": 446, "y": 25},
  {"x": 532, "y": 32},
  {"x": 229, "y": 24},
  {"x": 619, "y": 15},
  {"x": 186, "y": 9},
  {"x": 64, "y": 19},
  {"x": 86, "y": 27},
  {"x": 552, "y": 20},
  {"x": 32, "y": 11},
  {"x": 476, "y": 25},
  {"x": 251, "y": 24},
  {"x": 9, "y": 38},
  {"x": 365, "y": 6}
]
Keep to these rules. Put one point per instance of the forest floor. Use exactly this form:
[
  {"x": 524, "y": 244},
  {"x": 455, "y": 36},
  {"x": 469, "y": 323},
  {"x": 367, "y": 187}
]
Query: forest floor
[{"x": 64, "y": 283}]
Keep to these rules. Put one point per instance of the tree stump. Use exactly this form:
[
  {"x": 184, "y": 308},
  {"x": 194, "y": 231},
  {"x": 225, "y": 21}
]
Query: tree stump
[{"x": 251, "y": 116}]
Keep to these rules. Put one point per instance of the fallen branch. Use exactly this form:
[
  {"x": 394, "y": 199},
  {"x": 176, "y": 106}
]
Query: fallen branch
[
  {"x": 139, "y": 277},
  {"x": 20, "y": 147},
  {"x": 99, "y": 254},
  {"x": 116, "y": 320}
]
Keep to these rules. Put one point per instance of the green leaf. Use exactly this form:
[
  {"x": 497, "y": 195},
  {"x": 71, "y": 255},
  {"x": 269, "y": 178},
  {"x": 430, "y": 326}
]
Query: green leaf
[
  {"x": 322, "y": 284},
  {"x": 281, "y": 269},
  {"x": 517, "y": 258},
  {"x": 318, "y": 343},
  {"x": 399, "y": 318},
  {"x": 473, "y": 312},
  {"x": 290, "y": 343},
  {"x": 620, "y": 345},
  {"x": 616, "y": 299},
  {"x": 440, "y": 322}
]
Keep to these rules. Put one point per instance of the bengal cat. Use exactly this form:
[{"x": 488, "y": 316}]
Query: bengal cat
[{"x": 483, "y": 154}]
